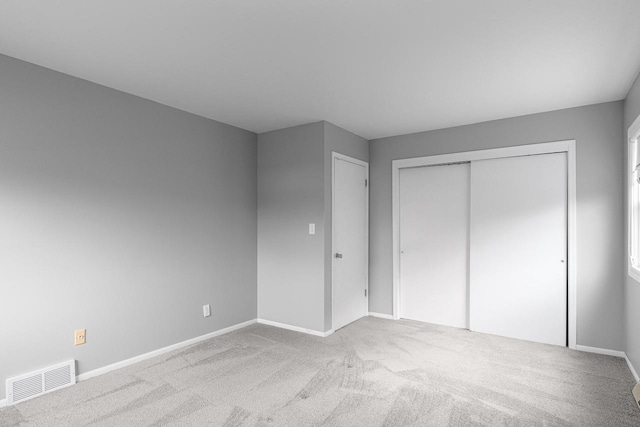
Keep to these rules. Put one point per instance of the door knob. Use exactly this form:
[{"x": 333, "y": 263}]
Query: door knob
[{"x": 338, "y": 255}]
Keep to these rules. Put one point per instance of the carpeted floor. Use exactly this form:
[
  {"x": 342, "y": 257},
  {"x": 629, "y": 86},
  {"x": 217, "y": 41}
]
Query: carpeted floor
[{"x": 374, "y": 372}]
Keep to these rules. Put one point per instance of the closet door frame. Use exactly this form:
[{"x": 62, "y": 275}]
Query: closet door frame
[{"x": 568, "y": 146}]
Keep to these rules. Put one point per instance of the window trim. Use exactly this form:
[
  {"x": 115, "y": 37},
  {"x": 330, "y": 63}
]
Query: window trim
[{"x": 633, "y": 202}]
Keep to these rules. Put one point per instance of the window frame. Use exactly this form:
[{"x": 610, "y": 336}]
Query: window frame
[{"x": 633, "y": 202}]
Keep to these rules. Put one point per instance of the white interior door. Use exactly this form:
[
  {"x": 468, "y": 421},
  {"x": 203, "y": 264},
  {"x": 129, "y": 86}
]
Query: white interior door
[
  {"x": 518, "y": 247},
  {"x": 434, "y": 238},
  {"x": 350, "y": 241}
]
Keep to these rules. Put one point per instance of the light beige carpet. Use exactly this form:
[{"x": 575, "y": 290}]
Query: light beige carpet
[{"x": 373, "y": 372}]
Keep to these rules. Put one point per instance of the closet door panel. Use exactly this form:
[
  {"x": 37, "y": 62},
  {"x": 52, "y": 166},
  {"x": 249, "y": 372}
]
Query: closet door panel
[
  {"x": 434, "y": 225},
  {"x": 518, "y": 247}
]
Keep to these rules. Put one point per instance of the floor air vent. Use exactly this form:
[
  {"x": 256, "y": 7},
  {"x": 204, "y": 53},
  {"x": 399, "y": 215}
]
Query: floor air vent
[{"x": 33, "y": 384}]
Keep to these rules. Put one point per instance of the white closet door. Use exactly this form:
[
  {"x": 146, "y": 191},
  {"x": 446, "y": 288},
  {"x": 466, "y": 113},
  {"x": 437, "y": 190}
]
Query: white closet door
[
  {"x": 434, "y": 225},
  {"x": 518, "y": 247}
]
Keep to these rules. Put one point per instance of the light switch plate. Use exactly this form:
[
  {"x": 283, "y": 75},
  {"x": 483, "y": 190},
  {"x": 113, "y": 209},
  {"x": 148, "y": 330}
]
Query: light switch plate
[
  {"x": 312, "y": 229},
  {"x": 206, "y": 310}
]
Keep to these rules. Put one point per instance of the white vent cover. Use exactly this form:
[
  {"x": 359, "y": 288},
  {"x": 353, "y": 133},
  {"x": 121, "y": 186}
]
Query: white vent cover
[{"x": 27, "y": 386}]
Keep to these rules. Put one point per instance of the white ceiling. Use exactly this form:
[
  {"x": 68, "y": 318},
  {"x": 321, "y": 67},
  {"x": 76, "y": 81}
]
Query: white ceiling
[{"x": 374, "y": 67}]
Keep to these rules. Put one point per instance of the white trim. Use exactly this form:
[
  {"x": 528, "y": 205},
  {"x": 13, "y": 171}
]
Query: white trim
[
  {"x": 568, "y": 146},
  {"x": 295, "y": 328},
  {"x": 380, "y": 315},
  {"x": 605, "y": 351},
  {"x": 338, "y": 156},
  {"x": 633, "y": 138},
  {"x": 149, "y": 355},
  {"x": 572, "y": 244},
  {"x": 633, "y": 371},
  {"x": 3, "y": 403}
]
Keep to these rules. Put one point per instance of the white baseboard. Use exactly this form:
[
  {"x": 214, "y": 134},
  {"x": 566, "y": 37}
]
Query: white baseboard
[
  {"x": 3, "y": 403},
  {"x": 633, "y": 371},
  {"x": 295, "y": 328},
  {"x": 381, "y": 315},
  {"x": 605, "y": 351},
  {"x": 131, "y": 361}
]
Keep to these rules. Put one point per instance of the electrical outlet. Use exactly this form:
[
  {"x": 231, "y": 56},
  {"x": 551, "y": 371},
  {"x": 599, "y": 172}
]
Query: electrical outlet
[
  {"x": 80, "y": 336},
  {"x": 206, "y": 310}
]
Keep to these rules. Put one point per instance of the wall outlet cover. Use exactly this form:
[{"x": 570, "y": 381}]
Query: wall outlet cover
[
  {"x": 206, "y": 310},
  {"x": 80, "y": 336}
]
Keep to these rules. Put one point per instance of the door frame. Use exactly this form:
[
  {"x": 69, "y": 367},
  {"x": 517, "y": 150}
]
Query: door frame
[
  {"x": 568, "y": 146},
  {"x": 338, "y": 156}
]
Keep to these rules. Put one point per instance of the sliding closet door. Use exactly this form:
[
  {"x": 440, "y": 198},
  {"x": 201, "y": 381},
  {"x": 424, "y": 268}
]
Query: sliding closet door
[
  {"x": 434, "y": 225},
  {"x": 518, "y": 247}
]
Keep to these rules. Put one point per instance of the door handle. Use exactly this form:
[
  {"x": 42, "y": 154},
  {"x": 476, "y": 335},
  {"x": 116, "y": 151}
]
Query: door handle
[{"x": 338, "y": 255}]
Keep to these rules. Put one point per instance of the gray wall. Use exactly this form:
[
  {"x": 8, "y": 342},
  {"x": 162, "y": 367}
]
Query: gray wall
[
  {"x": 597, "y": 130},
  {"x": 294, "y": 189},
  {"x": 344, "y": 142},
  {"x": 118, "y": 215},
  {"x": 632, "y": 288},
  {"x": 290, "y": 196}
]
